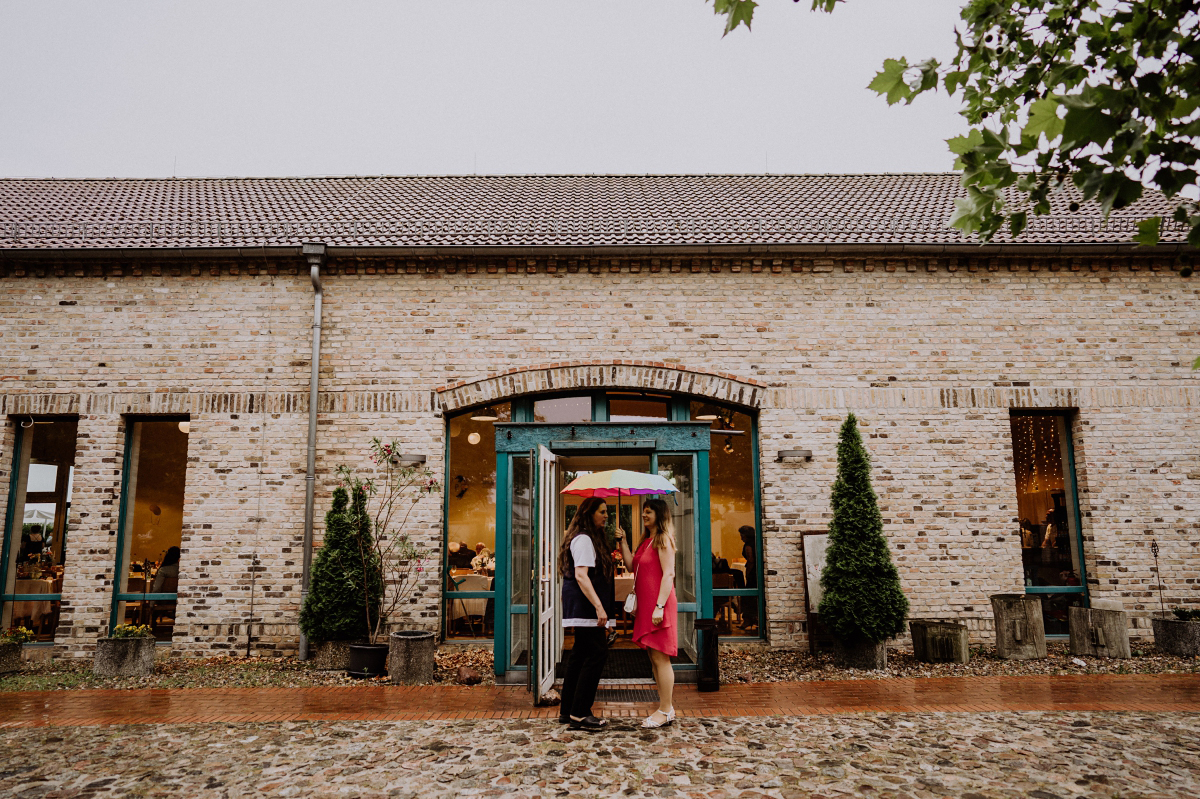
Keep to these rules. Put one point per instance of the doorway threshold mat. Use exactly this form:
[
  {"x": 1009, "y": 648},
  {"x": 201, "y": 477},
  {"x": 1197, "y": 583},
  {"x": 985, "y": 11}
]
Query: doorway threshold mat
[
  {"x": 622, "y": 664},
  {"x": 632, "y": 695}
]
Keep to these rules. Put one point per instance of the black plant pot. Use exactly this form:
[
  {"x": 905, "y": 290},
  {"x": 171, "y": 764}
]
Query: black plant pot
[{"x": 367, "y": 660}]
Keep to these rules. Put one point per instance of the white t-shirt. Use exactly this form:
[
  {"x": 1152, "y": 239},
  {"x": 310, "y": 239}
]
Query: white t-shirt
[{"x": 583, "y": 552}]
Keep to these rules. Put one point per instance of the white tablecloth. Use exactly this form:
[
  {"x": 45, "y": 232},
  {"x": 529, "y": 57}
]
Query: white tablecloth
[
  {"x": 469, "y": 607},
  {"x": 31, "y": 609}
]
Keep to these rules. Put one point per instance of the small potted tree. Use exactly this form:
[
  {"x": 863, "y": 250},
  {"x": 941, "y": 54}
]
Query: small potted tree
[
  {"x": 409, "y": 655},
  {"x": 128, "y": 651},
  {"x": 371, "y": 569},
  {"x": 344, "y": 594},
  {"x": 863, "y": 604},
  {"x": 11, "y": 641}
]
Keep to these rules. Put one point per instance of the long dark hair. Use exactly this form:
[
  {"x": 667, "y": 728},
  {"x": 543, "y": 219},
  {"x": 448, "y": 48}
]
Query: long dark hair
[
  {"x": 663, "y": 531},
  {"x": 582, "y": 524}
]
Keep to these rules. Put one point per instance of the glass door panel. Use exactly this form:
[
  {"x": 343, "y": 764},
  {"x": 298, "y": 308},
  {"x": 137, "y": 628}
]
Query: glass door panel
[
  {"x": 520, "y": 574},
  {"x": 680, "y": 471}
]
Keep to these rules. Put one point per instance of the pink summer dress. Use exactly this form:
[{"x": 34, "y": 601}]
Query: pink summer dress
[{"x": 649, "y": 578}]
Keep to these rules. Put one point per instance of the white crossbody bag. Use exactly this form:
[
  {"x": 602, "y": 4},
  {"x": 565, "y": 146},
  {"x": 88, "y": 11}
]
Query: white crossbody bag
[{"x": 631, "y": 599}]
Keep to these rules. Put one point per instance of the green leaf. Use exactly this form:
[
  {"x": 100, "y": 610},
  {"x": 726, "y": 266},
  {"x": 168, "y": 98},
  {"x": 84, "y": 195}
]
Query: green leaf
[
  {"x": 961, "y": 145},
  {"x": 928, "y": 77},
  {"x": 1184, "y": 107},
  {"x": 955, "y": 80},
  {"x": 1196, "y": 363},
  {"x": 1017, "y": 222},
  {"x": 737, "y": 12},
  {"x": 1043, "y": 118},
  {"x": 890, "y": 81},
  {"x": 1148, "y": 231},
  {"x": 1084, "y": 126}
]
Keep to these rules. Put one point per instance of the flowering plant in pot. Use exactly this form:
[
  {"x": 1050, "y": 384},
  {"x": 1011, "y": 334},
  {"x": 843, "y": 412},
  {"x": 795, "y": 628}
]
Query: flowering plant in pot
[
  {"x": 370, "y": 565},
  {"x": 128, "y": 651},
  {"x": 1177, "y": 632},
  {"x": 10, "y": 647}
]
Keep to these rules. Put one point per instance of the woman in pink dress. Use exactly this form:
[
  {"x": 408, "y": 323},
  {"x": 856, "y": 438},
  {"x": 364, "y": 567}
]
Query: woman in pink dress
[{"x": 654, "y": 626}]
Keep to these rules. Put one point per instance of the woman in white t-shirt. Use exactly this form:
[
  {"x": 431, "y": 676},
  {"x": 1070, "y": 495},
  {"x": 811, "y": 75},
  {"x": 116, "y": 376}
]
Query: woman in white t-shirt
[{"x": 587, "y": 567}]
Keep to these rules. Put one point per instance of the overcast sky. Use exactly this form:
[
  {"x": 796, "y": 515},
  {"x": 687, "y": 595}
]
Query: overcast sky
[{"x": 151, "y": 89}]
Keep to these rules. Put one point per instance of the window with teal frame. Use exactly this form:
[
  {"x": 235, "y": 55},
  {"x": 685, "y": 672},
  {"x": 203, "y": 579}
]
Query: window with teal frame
[
  {"x": 1048, "y": 517},
  {"x": 150, "y": 523},
  {"x": 34, "y": 555}
]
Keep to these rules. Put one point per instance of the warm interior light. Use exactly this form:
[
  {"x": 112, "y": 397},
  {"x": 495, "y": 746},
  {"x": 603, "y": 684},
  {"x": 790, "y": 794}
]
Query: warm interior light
[
  {"x": 485, "y": 415},
  {"x": 185, "y": 427},
  {"x": 473, "y": 438},
  {"x": 707, "y": 417},
  {"x": 728, "y": 445}
]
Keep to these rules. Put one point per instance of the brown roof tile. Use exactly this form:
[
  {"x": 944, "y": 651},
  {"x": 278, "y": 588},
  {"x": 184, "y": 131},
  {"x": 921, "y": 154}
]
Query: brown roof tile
[{"x": 517, "y": 210}]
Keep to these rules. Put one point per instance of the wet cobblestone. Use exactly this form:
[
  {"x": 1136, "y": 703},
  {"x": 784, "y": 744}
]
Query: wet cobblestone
[{"x": 974, "y": 756}]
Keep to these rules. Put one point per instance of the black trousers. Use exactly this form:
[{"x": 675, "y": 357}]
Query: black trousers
[{"x": 584, "y": 665}]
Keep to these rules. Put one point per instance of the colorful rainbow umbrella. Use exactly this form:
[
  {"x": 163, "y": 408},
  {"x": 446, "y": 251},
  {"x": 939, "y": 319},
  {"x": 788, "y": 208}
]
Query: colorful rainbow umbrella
[{"x": 619, "y": 483}]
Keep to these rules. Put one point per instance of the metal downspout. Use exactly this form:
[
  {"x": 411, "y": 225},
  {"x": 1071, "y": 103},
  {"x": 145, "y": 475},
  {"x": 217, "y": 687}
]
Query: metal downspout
[{"x": 315, "y": 252}]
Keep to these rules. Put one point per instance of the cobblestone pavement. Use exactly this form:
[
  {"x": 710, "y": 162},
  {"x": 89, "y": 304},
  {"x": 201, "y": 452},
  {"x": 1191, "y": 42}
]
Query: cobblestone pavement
[{"x": 975, "y": 756}]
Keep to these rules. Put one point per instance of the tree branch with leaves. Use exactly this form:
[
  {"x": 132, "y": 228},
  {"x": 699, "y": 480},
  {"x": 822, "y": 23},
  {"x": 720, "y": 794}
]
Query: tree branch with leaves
[{"x": 1104, "y": 96}]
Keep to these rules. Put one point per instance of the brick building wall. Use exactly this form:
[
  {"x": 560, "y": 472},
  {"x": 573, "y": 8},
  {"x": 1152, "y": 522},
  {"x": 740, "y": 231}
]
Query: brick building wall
[{"x": 930, "y": 353}]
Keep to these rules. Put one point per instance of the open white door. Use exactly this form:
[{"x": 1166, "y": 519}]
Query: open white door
[{"x": 546, "y": 639}]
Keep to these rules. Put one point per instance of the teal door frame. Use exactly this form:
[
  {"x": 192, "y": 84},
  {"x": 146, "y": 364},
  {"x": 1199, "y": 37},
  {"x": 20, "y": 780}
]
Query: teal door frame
[
  {"x": 519, "y": 438},
  {"x": 1067, "y": 416}
]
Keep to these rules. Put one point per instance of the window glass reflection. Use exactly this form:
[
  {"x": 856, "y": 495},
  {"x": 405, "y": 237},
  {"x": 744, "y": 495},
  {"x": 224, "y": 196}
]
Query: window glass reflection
[
  {"x": 153, "y": 533},
  {"x": 38, "y": 548},
  {"x": 471, "y": 519},
  {"x": 735, "y": 558},
  {"x": 636, "y": 408},
  {"x": 1045, "y": 501},
  {"x": 564, "y": 410}
]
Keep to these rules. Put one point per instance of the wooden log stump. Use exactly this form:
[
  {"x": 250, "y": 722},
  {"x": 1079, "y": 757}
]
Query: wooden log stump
[
  {"x": 939, "y": 641},
  {"x": 1020, "y": 633},
  {"x": 1099, "y": 632}
]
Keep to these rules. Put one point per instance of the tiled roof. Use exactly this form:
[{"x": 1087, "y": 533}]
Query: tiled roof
[{"x": 517, "y": 210}]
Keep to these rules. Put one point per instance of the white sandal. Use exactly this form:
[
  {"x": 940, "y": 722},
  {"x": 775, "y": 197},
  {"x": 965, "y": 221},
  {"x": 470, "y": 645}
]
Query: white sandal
[{"x": 668, "y": 718}]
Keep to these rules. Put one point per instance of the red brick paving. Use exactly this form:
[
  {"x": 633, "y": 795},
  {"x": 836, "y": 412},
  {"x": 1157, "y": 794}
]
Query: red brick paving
[{"x": 1132, "y": 692}]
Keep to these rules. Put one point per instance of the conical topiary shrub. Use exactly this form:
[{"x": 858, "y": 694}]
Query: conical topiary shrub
[
  {"x": 863, "y": 604},
  {"x": 347, "y": 581}
]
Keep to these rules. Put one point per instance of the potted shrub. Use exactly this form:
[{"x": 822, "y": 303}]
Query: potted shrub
[
  {"x": 128, "y": 651},
  {"x": 863, "y": 604},
  {"x": 369, "y": 566},
  {"x": 1178, "y": 633},
  {"x": 333, "y": 612},
  {"x": 11, "y": 641}
]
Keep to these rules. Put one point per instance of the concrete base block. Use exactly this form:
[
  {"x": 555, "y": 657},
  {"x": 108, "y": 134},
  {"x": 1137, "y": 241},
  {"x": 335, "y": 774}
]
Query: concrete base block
[
  {"x": 939, "y": 641},
  {"x": 1099, "y": 632},
  {"x": 412, "y": 657},
  {"x": 124, "y": 657},
  {"x": 1020, "y": 633},
  {"x": 10, "y": 658},
  {"x": 1177, "y": 637},
  {"x": 332, "y": 656}
]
